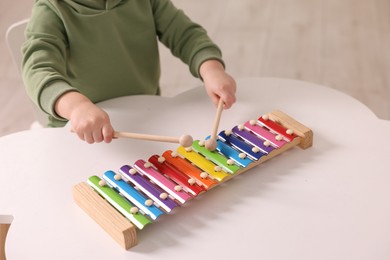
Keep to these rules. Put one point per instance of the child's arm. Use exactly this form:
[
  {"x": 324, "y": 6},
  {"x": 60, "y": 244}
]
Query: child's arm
[
  {"x": 87, "y": 120},
  {"x": 189, "y": 42},
  {"x": 218, "y": 83}
]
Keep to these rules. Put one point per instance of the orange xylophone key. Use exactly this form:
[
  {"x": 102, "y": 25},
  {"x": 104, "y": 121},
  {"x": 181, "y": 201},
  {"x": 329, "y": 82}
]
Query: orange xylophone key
[{"x": 189, "y": 169}]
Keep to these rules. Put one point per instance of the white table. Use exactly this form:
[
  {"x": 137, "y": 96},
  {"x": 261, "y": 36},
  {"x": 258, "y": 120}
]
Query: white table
[{"x": 327, "y": 202}]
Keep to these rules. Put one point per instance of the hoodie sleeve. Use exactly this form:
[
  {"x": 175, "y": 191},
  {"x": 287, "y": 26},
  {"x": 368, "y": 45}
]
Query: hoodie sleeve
[
  {"x": 44, "y": 58},
  {"x": 186, "y": 39}
]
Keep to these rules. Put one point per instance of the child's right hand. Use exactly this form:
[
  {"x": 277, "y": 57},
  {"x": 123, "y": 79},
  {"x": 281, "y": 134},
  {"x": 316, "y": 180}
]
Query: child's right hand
[
  {"x": 218, "y": 84},
  {"x": 88, "y": 121},
  {"x": 91, "y": 123}
]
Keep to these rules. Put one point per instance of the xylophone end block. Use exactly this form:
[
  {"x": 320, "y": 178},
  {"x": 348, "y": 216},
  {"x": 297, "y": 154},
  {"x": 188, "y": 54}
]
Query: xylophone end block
[
  {"x": 299, "y": 129},
  {"x": 116, "y": 225}
]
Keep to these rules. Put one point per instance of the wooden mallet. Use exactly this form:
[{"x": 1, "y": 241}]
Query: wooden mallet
[
  {"x": 211, "y": 143},
  {"x": 185, "y": 140}
]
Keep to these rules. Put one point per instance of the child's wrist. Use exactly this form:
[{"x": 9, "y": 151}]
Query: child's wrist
[
  {"x": 69, "y": 102},
  {"x": 210, "y": 66}
]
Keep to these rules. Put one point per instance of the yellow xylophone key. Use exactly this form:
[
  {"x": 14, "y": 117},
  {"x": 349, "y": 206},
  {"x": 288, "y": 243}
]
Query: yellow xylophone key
[{"x": 213, "y": 170}]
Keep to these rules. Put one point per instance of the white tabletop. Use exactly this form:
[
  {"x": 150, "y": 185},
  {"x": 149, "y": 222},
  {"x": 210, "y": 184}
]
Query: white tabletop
[{"x": 330, "y": 201}]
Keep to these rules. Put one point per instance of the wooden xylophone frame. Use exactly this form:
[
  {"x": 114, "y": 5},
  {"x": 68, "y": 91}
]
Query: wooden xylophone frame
[{"x": 124, "y": 232}]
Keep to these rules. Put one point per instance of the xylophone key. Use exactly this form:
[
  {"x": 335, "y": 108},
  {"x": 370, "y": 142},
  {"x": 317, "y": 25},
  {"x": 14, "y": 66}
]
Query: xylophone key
[
  {"x": 252, "y": 139},
  {"x": 151, "y": 190},
  {"x": 166, "y": 184},
  {"x": 250, "y": 150},
  {"x": 189, "y": 169},
  {"x": 263, "y": 133},
  {"x": 120, "y": 203},
  {"x": 177, "y": 176},
  {"x": 277, "y": 128},
  {"x": 237, "y": 156},
  {"x": 143, "y": 203},
  {"x": 202, "y": 163},
  {"x": 215, "y": 157}
]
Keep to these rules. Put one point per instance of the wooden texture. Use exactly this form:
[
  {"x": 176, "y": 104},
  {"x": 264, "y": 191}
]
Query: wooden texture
[
  {"x": 217, "y": 119},
  {"x": 211, "y": 143},
  {"x": 3, "y": 234},
  {"x": 290, "y": 123},
  {"x": 116, "y": 225},
  {"x": 158, "y": 138}
]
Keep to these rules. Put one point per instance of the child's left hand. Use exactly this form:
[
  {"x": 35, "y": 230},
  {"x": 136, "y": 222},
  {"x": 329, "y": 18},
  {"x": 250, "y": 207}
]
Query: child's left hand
[{"x": 218, "y": 84}]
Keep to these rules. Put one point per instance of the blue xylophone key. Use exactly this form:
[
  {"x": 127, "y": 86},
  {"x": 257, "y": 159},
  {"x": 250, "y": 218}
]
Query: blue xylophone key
[
  {"x": 144, "y": 204},
  {"x": 232, "y": 153},
  {"x": 239, "y": 144}
]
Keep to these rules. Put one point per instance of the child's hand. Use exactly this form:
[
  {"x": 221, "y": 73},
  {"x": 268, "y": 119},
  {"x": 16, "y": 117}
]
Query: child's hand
[
  {"x": 87, "y": 120},
  {"x": 218, "y": 84},
  {"x": 91, "y": 123}
]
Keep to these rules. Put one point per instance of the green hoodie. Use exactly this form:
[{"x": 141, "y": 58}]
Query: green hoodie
[{"x": 105, "y": 48}]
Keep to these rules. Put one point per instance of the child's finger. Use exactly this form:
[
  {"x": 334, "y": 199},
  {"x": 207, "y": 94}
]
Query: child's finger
[
  {"x": 88, "y": 137},
  {"x": 108, "y": 133},
  {"x": 97, "y": 136}
]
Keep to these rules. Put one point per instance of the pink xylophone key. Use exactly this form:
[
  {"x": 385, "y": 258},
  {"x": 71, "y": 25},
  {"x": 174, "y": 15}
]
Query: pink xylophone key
[
  {"x": 264, "y": 133},
  {"x": 173, "y": 189}
]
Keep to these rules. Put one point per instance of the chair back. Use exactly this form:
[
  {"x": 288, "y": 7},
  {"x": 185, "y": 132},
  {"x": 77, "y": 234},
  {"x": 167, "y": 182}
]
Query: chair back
[{"x": 15, "y": 38}]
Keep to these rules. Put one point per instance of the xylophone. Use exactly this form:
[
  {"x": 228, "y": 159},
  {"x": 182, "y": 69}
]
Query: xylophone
[{"x": 137, "y": 195}]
